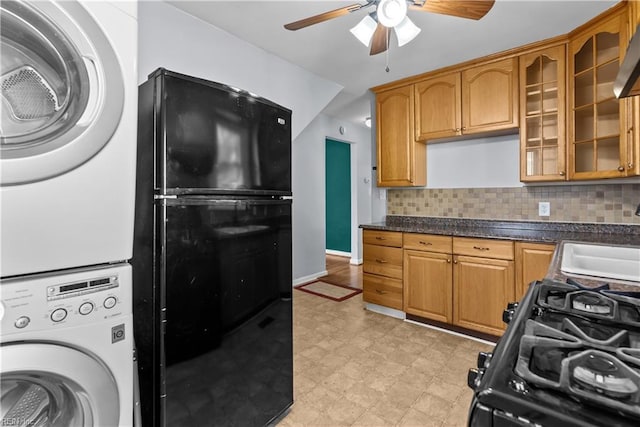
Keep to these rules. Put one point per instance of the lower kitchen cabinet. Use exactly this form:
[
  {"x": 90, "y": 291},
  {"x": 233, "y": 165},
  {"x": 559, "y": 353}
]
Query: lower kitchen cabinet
[
  {"x": 382, "y": 268},
  {"x": 382, "y": 290},
  {"x": 532, "y": 263},
  {"x": 482, "y": 287},
  {"x": 483, "y": 283},
  {"x": 427, "y": 276},
  {"x": 427, "y": 291}
]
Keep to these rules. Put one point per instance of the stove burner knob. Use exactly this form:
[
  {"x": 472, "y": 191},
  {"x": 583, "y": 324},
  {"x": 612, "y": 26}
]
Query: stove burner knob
[
  {"x": 512, "y": 305},
  {"x": 484, "y": 359},
  {"x": 507, "y": 315},
  {"x": 473, "y": 378}
]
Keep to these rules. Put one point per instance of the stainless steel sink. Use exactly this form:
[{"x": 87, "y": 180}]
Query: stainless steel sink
[{"x": 605, "y": 261}]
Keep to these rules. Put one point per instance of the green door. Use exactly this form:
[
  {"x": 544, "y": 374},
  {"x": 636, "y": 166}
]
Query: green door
[{"x": 338, "y": 195}]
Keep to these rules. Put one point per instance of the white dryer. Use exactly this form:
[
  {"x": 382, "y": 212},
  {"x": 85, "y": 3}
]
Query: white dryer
[
  {"x": 66, "y": 349},
  {"x": 68, "y": 80}
]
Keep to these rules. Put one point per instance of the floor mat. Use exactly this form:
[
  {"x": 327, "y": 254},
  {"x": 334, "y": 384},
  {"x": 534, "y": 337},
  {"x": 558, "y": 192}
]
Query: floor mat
[{"x": 328, "y": 290}]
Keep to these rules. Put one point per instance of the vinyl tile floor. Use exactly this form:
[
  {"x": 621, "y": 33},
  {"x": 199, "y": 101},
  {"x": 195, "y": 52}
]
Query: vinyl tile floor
[{"x": 354, "y": 367}]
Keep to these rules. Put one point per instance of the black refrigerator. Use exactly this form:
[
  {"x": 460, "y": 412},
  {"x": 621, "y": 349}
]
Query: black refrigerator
[{"x": 212, "y": 255}]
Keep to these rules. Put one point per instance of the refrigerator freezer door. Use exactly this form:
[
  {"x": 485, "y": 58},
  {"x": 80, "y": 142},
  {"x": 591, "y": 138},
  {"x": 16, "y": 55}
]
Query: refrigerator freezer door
[{"x": 216, "y": 140}]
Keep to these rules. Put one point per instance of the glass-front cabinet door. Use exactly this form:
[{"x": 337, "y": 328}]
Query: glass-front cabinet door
[
  {"x": 542, "y": 111},
  {"x": 597, "y": 132}
]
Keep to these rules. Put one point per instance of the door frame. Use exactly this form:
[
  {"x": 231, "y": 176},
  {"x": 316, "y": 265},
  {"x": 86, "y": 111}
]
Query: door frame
[{"x": 354, "y": 198}]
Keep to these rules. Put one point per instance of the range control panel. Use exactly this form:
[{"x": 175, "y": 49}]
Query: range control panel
[{"x": 65, "y": 300}]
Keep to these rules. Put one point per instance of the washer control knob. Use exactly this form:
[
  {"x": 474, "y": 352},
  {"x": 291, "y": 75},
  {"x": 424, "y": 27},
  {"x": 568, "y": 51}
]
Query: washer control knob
[
  {"x": 59, "y": 314},
  {"x": 110, "y": 302},
  {"x": 22, "y": 322},
  {"x": 86, "y": 308}
]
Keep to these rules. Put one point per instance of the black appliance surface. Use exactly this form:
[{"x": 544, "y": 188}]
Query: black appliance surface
[
  {"x": 212, "y": 255},
  {"x": 569, "y": 357}
]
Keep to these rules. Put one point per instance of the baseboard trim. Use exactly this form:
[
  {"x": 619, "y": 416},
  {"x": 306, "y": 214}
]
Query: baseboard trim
[
  {"x": 338, "y": 253},
  {"x": 309, "y": 278},
  {"x": 392, "y": 312}
]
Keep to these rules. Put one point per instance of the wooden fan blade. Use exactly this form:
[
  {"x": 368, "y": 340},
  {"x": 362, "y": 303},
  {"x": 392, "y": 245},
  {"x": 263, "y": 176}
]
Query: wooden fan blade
[
  {"x": 316, "y": 19},
  {"x": 380, "y": 40},
  {"x": 471, "y": 9}
]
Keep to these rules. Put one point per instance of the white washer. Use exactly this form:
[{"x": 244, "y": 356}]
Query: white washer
[
  {"x": 66, "y": 349},
  {"x": 68, "y": 123}
]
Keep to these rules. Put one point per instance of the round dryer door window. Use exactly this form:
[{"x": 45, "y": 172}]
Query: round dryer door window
[
  {"x": 61, "y": 88},
  {"x": 52, "y": 385}
]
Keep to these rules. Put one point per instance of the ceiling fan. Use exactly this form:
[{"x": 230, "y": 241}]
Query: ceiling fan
[{"x": 374, "y": 28}]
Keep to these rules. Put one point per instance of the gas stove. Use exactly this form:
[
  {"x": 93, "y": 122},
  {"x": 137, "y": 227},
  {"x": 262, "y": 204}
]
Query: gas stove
[{"x": 570, "y": 357}]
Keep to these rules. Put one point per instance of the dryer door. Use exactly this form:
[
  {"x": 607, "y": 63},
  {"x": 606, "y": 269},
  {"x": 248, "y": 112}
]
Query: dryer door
[
  {"x": 45, "y": 384},
  {"x": 61, "y": 87}
]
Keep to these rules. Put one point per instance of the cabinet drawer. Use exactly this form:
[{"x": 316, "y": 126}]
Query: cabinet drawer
[
  {"x": 487, "y": 248},
  {"x": 382, "y": 260},
  {"x": 427, "y": 242},
  {"x": 382, "y": 238},
  {"x": 382, "y": 290}
]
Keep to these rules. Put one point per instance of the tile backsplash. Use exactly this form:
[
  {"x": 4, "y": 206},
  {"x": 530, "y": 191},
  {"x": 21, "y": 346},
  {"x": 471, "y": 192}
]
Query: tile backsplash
[{"x": 611, "y": 203}]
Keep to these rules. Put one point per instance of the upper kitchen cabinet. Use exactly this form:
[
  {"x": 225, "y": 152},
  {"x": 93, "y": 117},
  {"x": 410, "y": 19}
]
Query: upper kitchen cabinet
[
  {"x": 542, "y": 115},
  {"x": 438, "y": 107},
  {"x": 401, "y": 160},
  {"x": 479, "y": 99},
  {"x": 490, "y": 97},
  {"x": 602, "y": 142}
]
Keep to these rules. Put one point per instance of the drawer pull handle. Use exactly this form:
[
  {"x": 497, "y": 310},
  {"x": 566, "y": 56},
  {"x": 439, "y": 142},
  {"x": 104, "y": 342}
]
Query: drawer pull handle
[
  {"x": 381, "y": 261},
  {"x": 380, "y": 238},
  {"x": 425, "y": 243},
  {"x": 481, "y": 248},
  {"x": 378, "y": 291}
]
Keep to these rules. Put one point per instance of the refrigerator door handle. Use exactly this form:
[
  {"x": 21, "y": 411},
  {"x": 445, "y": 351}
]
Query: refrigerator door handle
[{"x": 163, "y": 196}]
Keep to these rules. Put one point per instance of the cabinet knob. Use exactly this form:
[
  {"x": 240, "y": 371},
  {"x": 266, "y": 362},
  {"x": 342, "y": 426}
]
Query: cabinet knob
[
  {"x": 448, "y": 260},
  {"x": 620, "y": 168},
  {"x": 456, "y": 130},
  {"x": 629, "y": 165},
  {"x": 561, "y": 173}
]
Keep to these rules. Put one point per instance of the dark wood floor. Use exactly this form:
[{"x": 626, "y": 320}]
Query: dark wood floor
[{"x": 340, "y": 272}]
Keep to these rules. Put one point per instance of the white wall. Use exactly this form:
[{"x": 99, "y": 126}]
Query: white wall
[
  {"x": 170, "y": 38},
  {"x": 174, "y": 40},
  {"x": 309, "y": 204},
  {"x": 474, "y": 163}
]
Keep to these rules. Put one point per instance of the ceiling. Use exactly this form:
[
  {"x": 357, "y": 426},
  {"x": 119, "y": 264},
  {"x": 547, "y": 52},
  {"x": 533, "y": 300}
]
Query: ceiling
[{"x": 329, "y": 50}]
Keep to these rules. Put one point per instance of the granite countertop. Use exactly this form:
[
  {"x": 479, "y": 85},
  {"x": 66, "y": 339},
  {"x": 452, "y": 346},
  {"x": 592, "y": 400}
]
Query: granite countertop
[{"x": 530, "y": 231}]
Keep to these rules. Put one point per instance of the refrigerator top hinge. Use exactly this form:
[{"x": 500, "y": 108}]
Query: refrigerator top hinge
[{"x": 162, "y": 196}]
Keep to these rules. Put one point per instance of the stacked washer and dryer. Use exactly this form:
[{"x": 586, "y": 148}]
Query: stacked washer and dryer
[{"x": 67, "y": 181}]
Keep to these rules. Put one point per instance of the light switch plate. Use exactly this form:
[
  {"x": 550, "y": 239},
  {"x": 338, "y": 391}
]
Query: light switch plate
[{"x": 544, "y": 209}]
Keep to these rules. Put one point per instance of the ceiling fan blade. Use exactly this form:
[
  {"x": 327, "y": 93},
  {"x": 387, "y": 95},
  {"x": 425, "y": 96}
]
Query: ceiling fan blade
[
  {"x": 471, "y": 9},
  {"x": 316, "y": 19},
  {"x": 380, "y": 40}
]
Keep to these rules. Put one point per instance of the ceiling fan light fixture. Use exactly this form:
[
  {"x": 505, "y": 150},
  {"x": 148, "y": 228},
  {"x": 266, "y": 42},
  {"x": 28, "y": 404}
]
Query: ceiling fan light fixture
[
  {"x": 406, "y": 31},
  {"x": 364, "y": 30},
  {"x": 391, "y": 12}
]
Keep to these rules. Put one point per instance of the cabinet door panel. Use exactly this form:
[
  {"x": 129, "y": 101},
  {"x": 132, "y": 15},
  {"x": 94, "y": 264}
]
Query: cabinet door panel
[
  {"x": 438, "y": 104},
  {"x": 490, "y": 97},
  {"x": 401, "y": 161},
  {"x": 427, "y": 285},
  {"x": 542, "y": 115},
  {"x": 481, "y": 290},
  {"x": 532, "y": 263},
  {"x": 597, "y": 134}
]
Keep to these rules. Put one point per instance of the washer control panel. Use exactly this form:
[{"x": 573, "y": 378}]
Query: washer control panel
[{"x": 65, "y": 300}]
